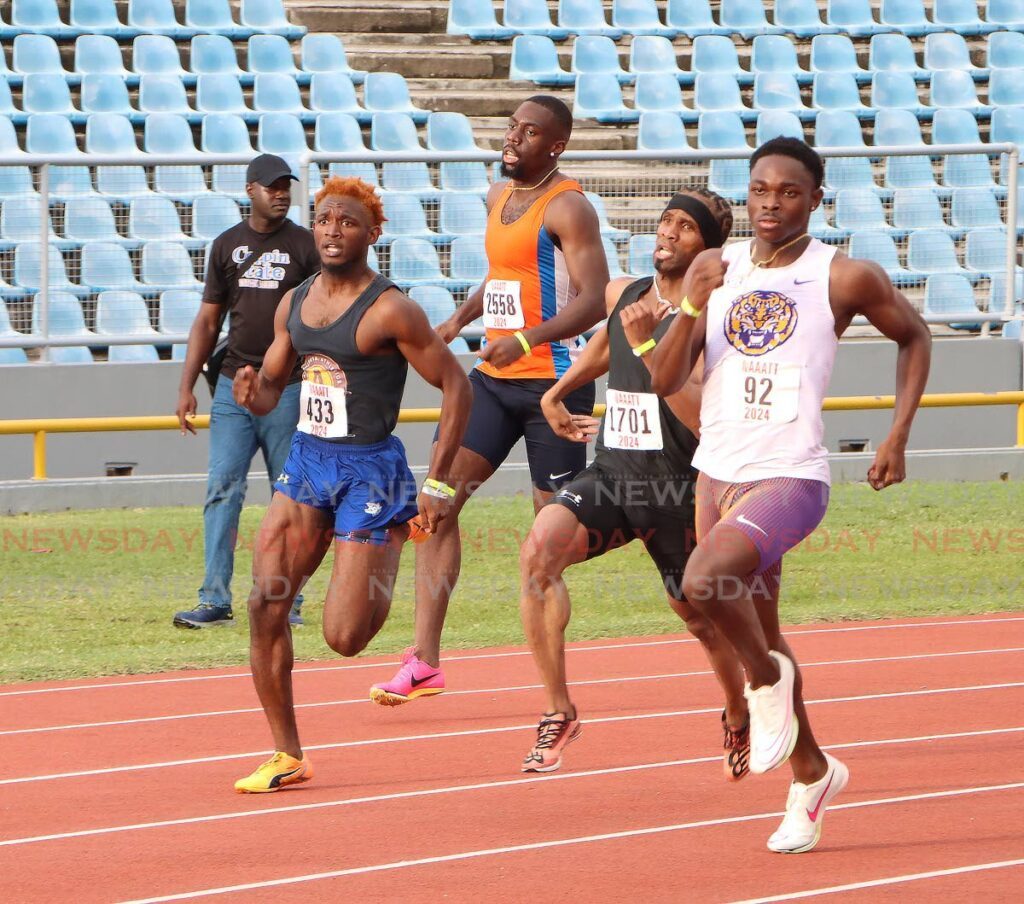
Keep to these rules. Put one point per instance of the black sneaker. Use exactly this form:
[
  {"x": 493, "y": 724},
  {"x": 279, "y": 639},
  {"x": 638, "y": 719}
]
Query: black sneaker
[{"x": 205, "y": 615}]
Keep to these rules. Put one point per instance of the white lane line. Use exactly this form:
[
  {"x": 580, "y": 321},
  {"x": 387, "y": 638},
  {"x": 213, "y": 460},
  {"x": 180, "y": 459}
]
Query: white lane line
[
  {"x": 793, "y": 632},
  {"x": 480, "y": 786},
  {"x": 889, "y": 880},
  {"x": 557, "y": 843},
  {"x": 494, "y": 690},
  {"x": 371, "y": 742}
]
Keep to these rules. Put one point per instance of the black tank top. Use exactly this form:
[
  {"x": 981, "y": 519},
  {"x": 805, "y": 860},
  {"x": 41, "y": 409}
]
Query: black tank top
[
  {"x": 626, "y": 372},
  {"x": 373, "y": 383}
]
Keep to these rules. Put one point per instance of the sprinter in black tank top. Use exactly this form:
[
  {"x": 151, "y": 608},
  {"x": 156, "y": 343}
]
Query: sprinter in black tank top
[
  {"x": 640, "y": 484},
  {"x": 346, "y": 482}
]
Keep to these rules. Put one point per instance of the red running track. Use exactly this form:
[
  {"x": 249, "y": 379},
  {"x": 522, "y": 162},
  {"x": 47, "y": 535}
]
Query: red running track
[{"x": 120, "y": 789}]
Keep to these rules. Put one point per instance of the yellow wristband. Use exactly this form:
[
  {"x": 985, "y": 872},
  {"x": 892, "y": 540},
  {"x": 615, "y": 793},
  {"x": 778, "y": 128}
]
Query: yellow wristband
[
  {"x": 523, "y": 342},
  {"x": 688, "y": 308},
  {"x": 440, "y": 487},
  {"x": 644, "y": 347}
]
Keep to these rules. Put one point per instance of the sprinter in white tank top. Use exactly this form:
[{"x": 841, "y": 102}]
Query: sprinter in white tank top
[{"x": 767, "y": 315}]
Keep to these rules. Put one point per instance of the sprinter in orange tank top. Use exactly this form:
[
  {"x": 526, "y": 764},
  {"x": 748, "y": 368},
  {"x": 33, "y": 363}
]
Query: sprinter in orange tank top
[{"x": 545, "y": 285}]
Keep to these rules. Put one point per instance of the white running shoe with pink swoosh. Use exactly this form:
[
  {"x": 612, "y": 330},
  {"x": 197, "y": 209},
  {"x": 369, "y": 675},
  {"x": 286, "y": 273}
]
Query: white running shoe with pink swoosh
[
  {"x": 800, "y": 829},
  {"x": 773, "y": 724}
]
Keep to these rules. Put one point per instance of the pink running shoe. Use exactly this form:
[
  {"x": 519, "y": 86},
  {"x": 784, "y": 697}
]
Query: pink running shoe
[
  {"x": 553, "y": 736},
  {"x": 414, "y": 679}
]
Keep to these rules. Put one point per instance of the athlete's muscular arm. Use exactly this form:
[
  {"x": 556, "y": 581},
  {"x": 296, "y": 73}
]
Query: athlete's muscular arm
[
  {"x": 862, "y": 287},
  {"x": 202, "y": 338},
  {"x": 260, "y": 392},
  {"x": 572, "y": 219},
  {"x": 675, "y": 356}
]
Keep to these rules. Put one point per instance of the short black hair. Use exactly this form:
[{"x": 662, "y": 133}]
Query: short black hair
[
  {"x": 563, "y": 115},
  {"x": 798, "y": 150}
]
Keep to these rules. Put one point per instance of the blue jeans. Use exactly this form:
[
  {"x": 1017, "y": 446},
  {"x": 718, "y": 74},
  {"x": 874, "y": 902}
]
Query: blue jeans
[{"x": 235, "y": 436}]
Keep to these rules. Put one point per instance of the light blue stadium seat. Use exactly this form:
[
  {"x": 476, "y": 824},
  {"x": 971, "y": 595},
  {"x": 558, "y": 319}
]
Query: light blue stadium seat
[
  {"x": 123, "y": 313},
  {"x": 535, "y": 59},
  {"x": 215, "y": 55},
  {"x": 641, "y": 254},
  {"x": 164, "y": 94},
  {"x": 932, "y": 251},
  {"x": 597, "y": 54},
  {"x": 652, "y": 53},
  {"x": 213, "y": 214},
  {"x": 337, "y": 132},
  {"x": 106, "y": 93},
  {"x": 394, "y": 132},
  {"x": 19, "y": 222},
  {"x": 324, "y": 53},
  {"x": 279, "y": 94},
  {"x": 531, "y": 17},
  {"x": 1005, "y": 50},
  {"x": 583, "y": 17},
  {"x": 959, "y": 16},
  {"x": 387, "y": 92},
  {"x": 1008, "y": 125},
  {"x": 280, "y": 133},
  {"x": 721, "y": 129},
  {"x": 38, "y": 54},
  {"x": 336, "y": 93},
  {"x": 776, "y": 54},
  {"x": 800, "y": 18},
  {"x": 896, "y": 91},
  {"x": 177, "y": 311},
  {"x": 660, "y": 92},
  {"x": 860, "y": 210},
  {"x": 365, "y": 171},
  {"x": 715, "y": 92},
  {"x": 950, "y": 51},
  {"x": 273, "y": 54},
  {"x": 158, "y": 55},
  {"x": 607, "y": 230},
  {"x": 950, "y": 293},
  {"x": 717, "y": 54},
  {"x": 450, "y": 132},
  {"x": 880, "y": 247},
  {"x": 693, "y": 17},
  {"x": 415, "y": 262},
  {"x": 64, "y": 317},
  {"x": 745, "y": 17},
  {"x": 268, "y": 17},
  {"x": 638, "y": 17},
  {"x": 405, "y": 217},
  {"x": 225, "y": 133},
  {"x": 7, "y": 109},
  {"x": 168, "y": 133},
  {"x": 156, "y": 219},
  {"x": 986, "y": 250},
  {"x": 778, "y": 123},
  {"x": 132, "y": 354},
  {"x": 661, "y": 132},
  {"x": 51, "y": 133},
  {"x": 1013, "y": 330},
  {"x": 852, "y": 17},
  {"x": 615, "y": 270},
  {"x": 110, "y": 133},
  {"x": 997, "y": 292},
  {"x": 476, "y": 20},
  {"x": 1006, "y": 87},
  {"x": 49, "y": 93},
  {"x": 213, "y": 17},
  {"x": 918, "y": 208},
  {"x": 27, "y": 257},
  {"x": 910, "y": 172},
  {"x": 776, "y": 91},
  {"x": 92, "y": 220},
  {"x": 167, "y": 265},
  {"x": 838, "y": 91},
  {"x": 438, "y": 305},
  {"x": 13, "y": 356},
  {"x": 973, "y": 207},
  {"x": 464, "y": 177},
  {"x": 462, "y": 213},
  {"x": 894, "y": 53},
  {"x": 408, "y": 177},
  {"x": 222, "y": 94},
  {"x": 849, "y": 172},
  {"x": 897, "y": 127},
  {"x": 959, "y": 170},
  {"x": 100, "y": 55},
  {"x": 835, "y": 54},
  {"x": 730, "y": 178},
  {"x": 12, "y": 78},
  {"x": 469, "y": 261},
  {"x": 955, "y": 89},
  {"x": 1005, "y": 14},
  {"x": 599, "y": 96},
  {"x": 98, "y": 17},
  {"x": 156, "y": 17},
  {"x": 39, "y": 16},
  {"x": 906, "y": 16},
  {"x": 106, "y": 265},
  {"x": 820, "y": 227}
]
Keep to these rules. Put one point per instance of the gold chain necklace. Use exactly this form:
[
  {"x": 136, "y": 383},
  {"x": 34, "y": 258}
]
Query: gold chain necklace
[
  {"x": 778, "y": 251},
  {"x": 537, "y": 185}
]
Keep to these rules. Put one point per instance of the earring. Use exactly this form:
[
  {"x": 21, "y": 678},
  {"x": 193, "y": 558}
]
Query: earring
[{"x": 552, "y": 154}]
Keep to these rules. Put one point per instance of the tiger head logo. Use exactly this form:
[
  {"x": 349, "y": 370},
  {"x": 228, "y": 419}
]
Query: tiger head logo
[{"x": 758, "y": 322}]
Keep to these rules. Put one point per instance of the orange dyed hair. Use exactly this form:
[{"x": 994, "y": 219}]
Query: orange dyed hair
[{"x": 353, "y": 188}]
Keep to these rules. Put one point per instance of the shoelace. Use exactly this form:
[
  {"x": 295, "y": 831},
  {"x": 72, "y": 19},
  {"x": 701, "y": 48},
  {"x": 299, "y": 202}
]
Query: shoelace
[{"x": 549, "y": 731}]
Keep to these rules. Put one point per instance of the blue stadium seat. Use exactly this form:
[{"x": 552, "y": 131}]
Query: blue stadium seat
[
  {"x": 52, "y": 133},
  {"x": 215, "y": 55},
  {"x": 469, "y": 261},
  {"x": 280, "y": 133},
  {"x": 394, "y": 132},
  {"x": 100, "y": 55},
  {"x": 64, "y": 317},
  {"x": 279, "y": 94},
  {"x": 852, "y": 17},
  {"x": 176, "y": 312},
  {"x": 607, "y": 230},
  {"x": 950, "y": 293},
  {"x": 132, "y": 354},
  {"x": 717, "y": 53},
  {"x": 894, "y": 53},
  {"x": 337, "y": 132},
  {"x": 780, "y": 92},
  {"x": 156, "y": 219},
  {"x": 615, "y": 270},
  {"x": 955, "y": 90},
  {"x": 415, "y": 262},
  {"x": 662, "y": 132},
  {"x": 213, "y": 214},
  {"x": 106, "y": 265},
  {"x": 692, "y": 18},
  {"x": 387, "y": 92},
  {"x": 1006, "y": 88},
  {"x": 597, "y": 54},
  {"x": 272, "y": 53},
  {"x": 906, "y": 16},
  {"x": 268, "y": 17},
  {"x": 778, "y": 123},
  {"x": 438, "y": 305},
  {"x": 14, "y": 356},
  {"x": 1007, "y": 14},
  {"x": 49, "y": 93},
  {"x": 730, "y": 178},
  {"x": 450, "y": 132},
  {"x": 960, "y": 170},
  {"x": 335, "y": 93},
  {"x": 12, "y": 78},
  {"x": 365, "y": 171},
  {"x": 641, "y": 254},
  {"x": 167, "y": 265},
  {"x": 838, "y": 91},
  {"x": 974, "y": 206},
  {"x": 932, "y": 251},
  {"x": 660, "y": 92},
  {"x": 106, "y": 94},
  {"x": 950, "y": 51},
  {"x": 39, "y": 16},
  {"x": 462, "y": 213},
  {"x": 800, "y": 18},
  {"x": 225, "y": 133},
  {"x": 168, "y": 133},
  {"x": 820, "y": 227},
  {"x": 880, "y": 247},
  {"x": 98, "y": 17},
  {"x": 38, "y": 54},
  {"x": 1014, "y": 330},
  {"x": 638, "y": 17},
  {"x": 714, "y": 92},
  {"x": 986, "y": 250},
  {"x": 408, "y": 177},
  {"x": 836, "y": 53},
  {"x": 158, "y": 55},
  {"x": 600, "y": 97},
  {"x": 721, "y": 129},
  {"x": 896, "y": 91},
  {"x": 8, "y": 111},
  {"x": 959, "y": 16},
  {"x": 156, "y": 17},
  {"x": 164, "y": 94},
  {"x": 19, "y": 222},
  {"x": 746, "y": 18},
  {"x": 92, "y": 220},
  {"x": 535, "y": 59},
  {"x": 110, "y": 133},
  {"x": 27, "y": 257},
  {"x": 910, "y": 172},
  {"x": 776, "y": 54},
  {"x": 213, "y": 17},
  {"x": 849, "y": 172},
  {"x": 583, "y": 17},
  {"x": 918, "y": 208},
  {"x": 476, "y": 20},
  {"x": 860, "y": 210},
  {"x": 651, "y": 53},
  {"x": 464, "y": 177},
  {"x": 1008, "y": 125},
  {"x": 997, "y": 292},
  {"x": 897, "y": 128},
  {"x": 405, "y": 217},
  {"x": 323, "y": 53},
  {"x": 221, "y": 94},
  {"x": 531, "y": 17},
  {"x": 1005, "y": 50},
  {"x": 124, "y": 313}
]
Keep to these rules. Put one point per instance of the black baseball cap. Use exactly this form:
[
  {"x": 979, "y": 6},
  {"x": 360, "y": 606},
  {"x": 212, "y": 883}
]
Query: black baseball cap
[{"x": 267, "y": 169}]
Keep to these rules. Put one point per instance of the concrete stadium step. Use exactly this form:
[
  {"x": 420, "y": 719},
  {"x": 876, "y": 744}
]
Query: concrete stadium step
[{"x": 355, "y": 16}]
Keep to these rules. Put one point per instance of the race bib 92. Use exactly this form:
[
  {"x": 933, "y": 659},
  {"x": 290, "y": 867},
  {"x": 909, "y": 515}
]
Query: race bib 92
[
  {"x": 503, "y": 309},
  {"x": 631, "y": 421},
  {"x": 762, "y": 391}
]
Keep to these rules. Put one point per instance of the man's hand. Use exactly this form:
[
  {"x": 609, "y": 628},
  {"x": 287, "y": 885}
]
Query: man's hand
[
  {"x": 638, "y": 323},
  {"x": 889, "y": 467},
  {"x": 579, "y": 428},
  {"x": 706, "y": 274},
  {"x": 447, "y": 331},
  {"x": 186, "y": 409},
  {"x": 245, "y": 385},
  {"x": 433, "y": 510},
  {"x": 502, "y": 352}
]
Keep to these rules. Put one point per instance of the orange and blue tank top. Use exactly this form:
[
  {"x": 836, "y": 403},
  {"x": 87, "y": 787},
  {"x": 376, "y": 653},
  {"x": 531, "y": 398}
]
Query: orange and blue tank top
[{"x": 527, "y": 283}]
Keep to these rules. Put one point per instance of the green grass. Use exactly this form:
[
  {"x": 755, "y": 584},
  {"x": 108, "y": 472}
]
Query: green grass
[{"x": 92, "y": 593}]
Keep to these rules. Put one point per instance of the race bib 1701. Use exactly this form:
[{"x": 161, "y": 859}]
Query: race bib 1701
[
  {"x": 503, "y": 309},
  {"x": 631, "y": 421},
  {"x": 761, "y": 391}
]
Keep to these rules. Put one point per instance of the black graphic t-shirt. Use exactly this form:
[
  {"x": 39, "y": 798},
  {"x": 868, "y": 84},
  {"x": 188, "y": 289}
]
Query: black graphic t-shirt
[{"x": 250, "y": 272}]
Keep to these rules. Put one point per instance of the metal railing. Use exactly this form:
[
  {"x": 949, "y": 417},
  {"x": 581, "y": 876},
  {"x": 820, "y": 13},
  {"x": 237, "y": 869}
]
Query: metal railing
[{"x": 38, "y": 428}]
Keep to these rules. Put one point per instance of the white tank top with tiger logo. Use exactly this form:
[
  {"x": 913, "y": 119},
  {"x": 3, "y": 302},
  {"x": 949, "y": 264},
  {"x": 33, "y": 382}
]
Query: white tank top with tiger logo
[{"x": 768, "y": 356}]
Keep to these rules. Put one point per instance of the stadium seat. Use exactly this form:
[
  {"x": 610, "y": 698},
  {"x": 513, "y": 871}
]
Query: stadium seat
[
  {"x": 13, "y": 356},
  {"x": 158, "y": 55},
  {"x": 164, "y": 94},
  {"x": 950, "y": 293},
  {"x": 777, "y": 123},
  {"x": 415, "y": 262},
  {"x": 462, "y": 213},
  {"x": 156, "y": 219},
  {"x": 910, "y": 172},
  {"x": 365, "y": 171},
  {"x": 51, "y": 133},
  {"x": 464, "y": 177},
  {"x": 881, "y": 248},
  {"x": 156, "y": 17},
  {"x": 780, "y": 92},
  {"x": 838, "y": 91},
  {"x": 535, "y": 59},
  {"x": 597, "y": 54},
  {"x": 776, "y": 55},
  {"x": 997, "y": 292},
  {"x": 213, "y": 214},
  {"x": 897, "y": 127},
  {"x": 730, "y": 178},
  {"x": 404, "y": 216},
  {"x": 714, "y": 92},
  {"x": 468, "y": 261},
  {"x": 106, "y": 94},
  {"x": 167, "y": 265},
  {"x": 896, "y": 91},
  {"x": 1005, "y": 50},
  {"x": 746, "y": 18},
  {"x": 973, "y": 207},
  {"x": 932, "y": 251},
  {"x": 450, "y": 132},
  {"x": 268, "y": 17},
  {"x": 92, "y": 220},
  {"x": 918, "y": 208},
  {"x": 894, "y": 53},
  {"x": 860, "y": 210},
  {"x": 959, "y": 170},
  {"x": 1008, "y": 125},
  {"x": 39, "y": 16},
  {"x": 49, "y": 93},
  {"x": 335, "y": 93},
  {"x": 106, "y": 265},
  {"x": 34, "y": 54},
  {"x": 337, "y": 132},
  {"x": 27, "y": 269},
  {"x": 12, "y": 78},
  {"x": 717, "y": 54},
  {"x": 436, "y": 301},
  {"x": 638, "y": 17},
  {"x": 1007, "y": 14},
  {"x": 123, "y": 313},
  {"x": 387, "y": 92},
  {"x": 476, "y": 20},
  {"x": 100, "y": 55},
  {"x": 906, "y": 17},
  {"x": 660, "y": 92},
  {"x": 836, "y": 54},
  {"x": 852, "y": 17},
  {"x": 273, "y": 54},
  {"x": 600, "y": 97},
  {"x": 213, "y": 17},
  {"x": 1006, "y": 88},
  {"x": 955, "y": 90},
  {"x": 7, "y": 109},
  {"x": 19, "y": 222},
  {"x": 279, "y": 94},
  {"x": 64, "y": 316},
  {"x": 960, "y": 16},
  {"x": 661, "y": 132},
  {"x": 530, "y": 17},
  {"x": 986, "y": 250},
  {"x": 215, "y": 55},
  {"x": 615, "y": 270},
  {"x": 132, "y": 354},
  {"x": 175, "y": 315},
  {"x": 651, "y": 53},
  {"x": 583, "y": 17},
  {"x": 168, "y": 133},
  {"x": 280, "y": 133},
  {"x": 1013, "y": 330},
  {"x": 721, "y": 129},
  {"x": 607, "y": 230},
  {"x": 222, "y": 94},
  {"x": 820, "y": 227},
  {"x": 324, "y": 53},
  {"x": 98, "y": 18},
  {"x": 394, "y": 132},
  {"x": 692, "y": 18},
  {"x": 950, "y": 51},
  {"x": 225, "y": 133},
  {"x": 110, "y": 133},
  {"x": 800, "y": 18},
  {"x": 641, "y": 254}
]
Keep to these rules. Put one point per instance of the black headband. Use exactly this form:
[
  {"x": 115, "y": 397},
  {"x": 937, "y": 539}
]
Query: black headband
[{"x": 710, "y": 230}]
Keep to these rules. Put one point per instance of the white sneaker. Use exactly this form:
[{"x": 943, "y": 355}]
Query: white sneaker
[
  {"x": 773, "y": 724},
  {"x": 800, "y": 829}
]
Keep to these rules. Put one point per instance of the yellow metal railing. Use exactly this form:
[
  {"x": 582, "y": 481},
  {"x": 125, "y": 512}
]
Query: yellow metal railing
[{"x": 40, "y": 427}]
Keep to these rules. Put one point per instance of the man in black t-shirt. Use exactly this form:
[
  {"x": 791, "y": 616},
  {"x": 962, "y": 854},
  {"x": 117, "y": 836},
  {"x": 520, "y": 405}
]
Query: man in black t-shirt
[{"x": 249, "y": 269}]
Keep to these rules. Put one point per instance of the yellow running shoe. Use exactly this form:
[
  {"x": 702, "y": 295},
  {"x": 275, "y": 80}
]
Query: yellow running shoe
[{"x": 280, "y": 770}]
